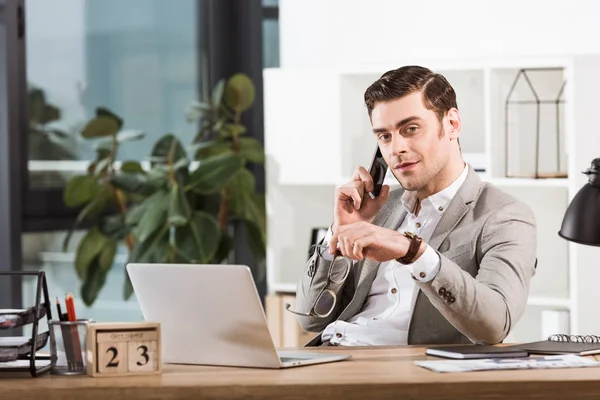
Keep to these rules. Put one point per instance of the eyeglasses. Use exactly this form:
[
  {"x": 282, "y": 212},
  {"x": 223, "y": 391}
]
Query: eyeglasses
[{"x": 339, "y": 269}]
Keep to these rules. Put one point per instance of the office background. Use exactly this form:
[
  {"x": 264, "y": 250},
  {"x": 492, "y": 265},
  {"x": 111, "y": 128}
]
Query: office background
[{"x": 149, "y": 59}]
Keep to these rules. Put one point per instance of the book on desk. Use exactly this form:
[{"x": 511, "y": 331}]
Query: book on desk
[{"x": 581, "y": 345}]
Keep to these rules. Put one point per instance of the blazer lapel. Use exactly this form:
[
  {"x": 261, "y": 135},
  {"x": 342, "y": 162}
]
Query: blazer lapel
[{"x": 456, "y": 211}]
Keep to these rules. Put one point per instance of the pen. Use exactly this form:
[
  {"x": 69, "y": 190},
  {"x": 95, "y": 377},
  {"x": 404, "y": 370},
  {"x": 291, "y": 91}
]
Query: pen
[{"x": 61, "y": 317}]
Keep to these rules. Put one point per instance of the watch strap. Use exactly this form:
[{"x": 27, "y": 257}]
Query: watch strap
[{"x": 413, "y": 248}]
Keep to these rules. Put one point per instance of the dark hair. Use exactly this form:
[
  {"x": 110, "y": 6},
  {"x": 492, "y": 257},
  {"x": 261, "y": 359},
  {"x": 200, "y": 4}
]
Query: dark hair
[{"x": 438, "y": 94}]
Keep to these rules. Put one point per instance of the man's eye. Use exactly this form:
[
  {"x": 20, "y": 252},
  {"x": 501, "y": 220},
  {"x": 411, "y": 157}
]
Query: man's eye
[
  {"x": 412, "y": 129},
  {"x": 384, "y": 137}
]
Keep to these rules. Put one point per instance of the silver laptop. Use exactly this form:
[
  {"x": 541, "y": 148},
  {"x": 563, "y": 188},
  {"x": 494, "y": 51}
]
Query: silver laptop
[{"x": 212, "y": 315}]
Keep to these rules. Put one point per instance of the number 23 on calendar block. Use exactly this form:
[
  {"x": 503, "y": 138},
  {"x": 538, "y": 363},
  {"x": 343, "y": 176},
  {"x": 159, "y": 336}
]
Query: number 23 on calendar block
[{"x": 123, "y": 349}]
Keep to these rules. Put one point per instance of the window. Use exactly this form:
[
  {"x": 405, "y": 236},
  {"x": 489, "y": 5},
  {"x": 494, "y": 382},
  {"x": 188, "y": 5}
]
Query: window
[
  {"x": 138, "y": 58},
  {"x": 270, "y": 27}
]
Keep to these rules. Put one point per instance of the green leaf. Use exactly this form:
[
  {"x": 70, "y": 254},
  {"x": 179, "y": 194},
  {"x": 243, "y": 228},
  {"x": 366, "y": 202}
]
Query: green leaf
[
  {"x": 105, "y": 112},
  {"x": 217, "y": 94},
  {"x": 197, "y": 110},
  {"x": 100, "y": 127},
  {"x": 242, "y": 186},
  {"x": 114, "y": 227},
  {"x": 136, "y": 213},
  {"x": 214, "y": 173},
  {"x": 155, "y": 216},
  {"x": 179, "y": 207},
  {"x": 141, "y": 183},
  {"x": 228, "y": 130},
  {"x": 198, "y": 241},
  {"x": 79, "y": 190},
  {"x": 152, "y": 250},
  {"x": 132, "y": 167},
  {"x": 93, "y": 283},
  {"x": 252, "y": 150},
  {"x": 240, "y": 92},
  {"x": 107, "y": 255},
  {"x": 251, "y": 207},
  {"x": 212, "y": 148},
  {"x": 88, "y": 249},
  {"x": 162, "y": 148},
  {"x": 92, "y": 209}
]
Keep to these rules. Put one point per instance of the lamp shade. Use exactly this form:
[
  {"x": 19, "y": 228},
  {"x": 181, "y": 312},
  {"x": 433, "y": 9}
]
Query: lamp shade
[{"x": 581, "y": 223}]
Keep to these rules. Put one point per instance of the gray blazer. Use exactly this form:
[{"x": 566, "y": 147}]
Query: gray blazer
[{"x": 487, "y": 245}]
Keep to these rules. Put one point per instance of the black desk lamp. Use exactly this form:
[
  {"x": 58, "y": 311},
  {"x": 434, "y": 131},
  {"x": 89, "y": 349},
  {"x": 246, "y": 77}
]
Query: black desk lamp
[{"x": 581, "y": 223}]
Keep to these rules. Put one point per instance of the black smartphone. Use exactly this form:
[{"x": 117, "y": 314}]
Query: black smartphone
[{"x": 378, "y": 170}]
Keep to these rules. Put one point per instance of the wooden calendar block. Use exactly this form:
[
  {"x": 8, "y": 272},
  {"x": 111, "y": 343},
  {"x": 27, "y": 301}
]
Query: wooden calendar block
[
  {"x": 123, "y": 349},
  {"x": 142, "y": 356},
  {"x": 112, "y": 357}
]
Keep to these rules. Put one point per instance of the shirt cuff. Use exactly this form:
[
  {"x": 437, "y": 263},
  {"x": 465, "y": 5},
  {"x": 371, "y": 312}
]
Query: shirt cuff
[{"x": 426, "y": 267}]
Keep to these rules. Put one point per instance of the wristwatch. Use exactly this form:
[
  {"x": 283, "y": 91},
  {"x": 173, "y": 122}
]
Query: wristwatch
[{"x": 413, "y": 248}]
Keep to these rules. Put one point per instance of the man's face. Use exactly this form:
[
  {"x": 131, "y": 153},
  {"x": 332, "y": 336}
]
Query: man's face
[{"x": 414, "y": 144}]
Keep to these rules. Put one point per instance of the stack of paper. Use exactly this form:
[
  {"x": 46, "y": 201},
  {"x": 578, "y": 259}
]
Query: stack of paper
[{"x": 487, "y": 364}]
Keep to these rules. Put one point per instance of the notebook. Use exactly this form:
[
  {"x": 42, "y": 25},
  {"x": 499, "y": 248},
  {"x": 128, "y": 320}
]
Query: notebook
[
  {"x": 582, "y": 345},
  {"x": 474, "y": 351}
]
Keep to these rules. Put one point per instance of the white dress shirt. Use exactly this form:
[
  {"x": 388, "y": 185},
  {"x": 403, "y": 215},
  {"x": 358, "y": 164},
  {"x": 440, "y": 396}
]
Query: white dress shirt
[{"x": 386, "y": 313}]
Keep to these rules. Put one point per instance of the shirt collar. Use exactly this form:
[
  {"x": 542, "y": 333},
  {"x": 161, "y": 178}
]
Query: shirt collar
[{"x": 439, "y": 200}]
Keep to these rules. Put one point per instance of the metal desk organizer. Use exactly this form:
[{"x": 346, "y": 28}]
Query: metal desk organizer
[
  {"x": 18, "y": 353},
  {"x": 67, "y": 346}
]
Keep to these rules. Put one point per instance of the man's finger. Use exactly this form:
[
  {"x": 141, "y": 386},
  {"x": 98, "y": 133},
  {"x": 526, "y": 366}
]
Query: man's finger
[
  {"x": 366, "y": 178},
  {"x": 333, "y": 241},
  {"x": 358, "y": 249}
]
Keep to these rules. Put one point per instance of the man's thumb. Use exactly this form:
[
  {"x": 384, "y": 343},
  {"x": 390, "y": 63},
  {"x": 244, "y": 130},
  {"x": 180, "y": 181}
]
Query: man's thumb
[{"x": 383, "y": 195}]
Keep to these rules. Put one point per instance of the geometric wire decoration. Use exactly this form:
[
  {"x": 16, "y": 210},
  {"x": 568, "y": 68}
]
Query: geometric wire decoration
[{"x": 533, "y": 124}]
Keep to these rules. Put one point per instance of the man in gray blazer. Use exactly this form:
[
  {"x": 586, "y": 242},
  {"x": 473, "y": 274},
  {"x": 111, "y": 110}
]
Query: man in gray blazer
[{"x": 446, "y": 259}]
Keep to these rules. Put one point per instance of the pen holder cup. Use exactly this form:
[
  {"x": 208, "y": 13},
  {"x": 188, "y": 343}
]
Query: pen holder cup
[{"x": 68, "y": 346}]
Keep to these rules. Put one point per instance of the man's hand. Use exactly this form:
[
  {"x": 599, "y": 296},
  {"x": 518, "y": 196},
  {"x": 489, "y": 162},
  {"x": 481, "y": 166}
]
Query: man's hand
[
  {"x": 353, "y": 203},
  {"x": 365, "y": 240}
]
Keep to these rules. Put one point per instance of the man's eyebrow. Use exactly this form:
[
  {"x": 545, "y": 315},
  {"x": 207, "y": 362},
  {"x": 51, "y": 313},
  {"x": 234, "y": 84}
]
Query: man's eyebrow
[{"x": 398, "y": 124}]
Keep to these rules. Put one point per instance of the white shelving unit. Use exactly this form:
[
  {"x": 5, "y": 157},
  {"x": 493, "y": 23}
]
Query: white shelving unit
[{"x": 317, "y": 132}]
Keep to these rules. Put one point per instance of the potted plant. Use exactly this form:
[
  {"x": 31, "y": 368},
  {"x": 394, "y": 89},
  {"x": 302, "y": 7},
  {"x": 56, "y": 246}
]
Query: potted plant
[{"x": 180, "y": 208}]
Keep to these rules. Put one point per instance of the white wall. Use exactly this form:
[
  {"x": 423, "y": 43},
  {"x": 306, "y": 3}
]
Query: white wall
[{"x": 342, "y": 32}]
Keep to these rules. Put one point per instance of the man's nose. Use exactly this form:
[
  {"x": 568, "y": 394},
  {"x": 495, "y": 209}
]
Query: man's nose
[{"x": 399, "y": 144}]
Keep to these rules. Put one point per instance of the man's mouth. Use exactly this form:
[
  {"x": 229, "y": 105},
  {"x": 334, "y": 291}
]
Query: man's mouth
[{"x": 406, "y": 166}]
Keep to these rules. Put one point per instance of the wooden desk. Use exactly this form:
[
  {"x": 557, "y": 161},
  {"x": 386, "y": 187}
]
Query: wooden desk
[{"x": 382, "y": 373}]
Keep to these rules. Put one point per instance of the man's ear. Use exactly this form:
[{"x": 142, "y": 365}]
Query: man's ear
[{"x": 454, "y": 122}]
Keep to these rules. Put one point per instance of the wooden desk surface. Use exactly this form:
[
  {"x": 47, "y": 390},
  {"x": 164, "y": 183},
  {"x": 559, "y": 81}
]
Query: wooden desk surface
[{"x": 375, "y": 373}]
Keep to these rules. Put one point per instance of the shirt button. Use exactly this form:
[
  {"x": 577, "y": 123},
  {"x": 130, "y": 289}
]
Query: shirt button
[
  {"x": 451, "y": 299},
  {"x": 394, "y": 290},
  {"x": 338, "y": 335},
  {"x": 442, "y": 291},
  {"x": 441, "y": 208},
  {"x": 422, "y": 275},
  {"x": 418, "y": 224},
  {"x": 325, "y": 243}
]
